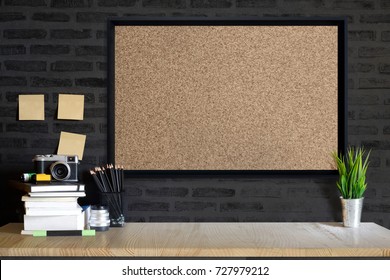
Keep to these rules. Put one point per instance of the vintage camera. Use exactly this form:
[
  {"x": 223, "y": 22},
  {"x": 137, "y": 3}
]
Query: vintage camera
[{"x": 60, "y": 167}]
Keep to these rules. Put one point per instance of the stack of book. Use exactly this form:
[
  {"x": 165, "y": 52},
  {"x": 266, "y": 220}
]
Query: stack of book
[{"x": 52, "y": 206}]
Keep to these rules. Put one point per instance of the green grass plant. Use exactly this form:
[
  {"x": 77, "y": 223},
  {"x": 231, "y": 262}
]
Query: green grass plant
[{"x": 352, "y": 169}]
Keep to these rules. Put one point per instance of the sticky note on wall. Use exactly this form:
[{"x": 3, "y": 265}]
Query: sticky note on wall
[
  {"x": 71, "y": 144},
  {"x": 70, "y": 107},
  {"x": 31, "y": 107}
]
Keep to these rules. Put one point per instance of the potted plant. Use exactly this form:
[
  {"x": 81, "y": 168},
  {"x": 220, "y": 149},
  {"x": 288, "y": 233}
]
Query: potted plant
[{"x": 352, "y": 184}]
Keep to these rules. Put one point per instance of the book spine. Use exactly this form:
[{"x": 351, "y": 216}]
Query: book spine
[{"x": 85, "y": 232}]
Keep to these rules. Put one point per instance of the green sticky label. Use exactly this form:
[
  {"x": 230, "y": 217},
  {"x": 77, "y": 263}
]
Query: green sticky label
[
  {"x": 38, "y": 233},
  {"x": 88, "y": 232}
]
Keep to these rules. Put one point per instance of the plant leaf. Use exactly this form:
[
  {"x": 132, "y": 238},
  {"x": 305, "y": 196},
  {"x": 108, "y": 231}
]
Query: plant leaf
[{"x": 352, "y": 172}]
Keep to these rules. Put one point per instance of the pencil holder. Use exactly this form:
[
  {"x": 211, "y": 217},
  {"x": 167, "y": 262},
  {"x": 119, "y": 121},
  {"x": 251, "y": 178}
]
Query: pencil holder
[{"x": 114, "y": 202}]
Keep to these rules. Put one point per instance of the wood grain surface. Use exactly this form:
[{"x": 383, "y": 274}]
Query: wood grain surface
[{"x": 207, "y": 240}]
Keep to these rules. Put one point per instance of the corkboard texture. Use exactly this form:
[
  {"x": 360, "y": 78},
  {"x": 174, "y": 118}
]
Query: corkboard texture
[{"x": 226, "y": 97}]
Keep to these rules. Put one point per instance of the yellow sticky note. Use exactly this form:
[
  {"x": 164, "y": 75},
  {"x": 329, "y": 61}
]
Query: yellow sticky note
[
  {"x": 71, "y": 144},
  {"x": 31, "y": 107},
  {"x": 70, "y": 107}
]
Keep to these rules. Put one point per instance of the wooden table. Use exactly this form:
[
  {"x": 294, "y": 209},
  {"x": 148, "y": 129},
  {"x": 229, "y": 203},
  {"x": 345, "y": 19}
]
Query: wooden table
[{"x": 207, "y": 240}]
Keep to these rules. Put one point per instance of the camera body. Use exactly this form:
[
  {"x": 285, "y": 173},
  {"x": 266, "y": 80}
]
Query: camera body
[{"x": 61, "y": 167}]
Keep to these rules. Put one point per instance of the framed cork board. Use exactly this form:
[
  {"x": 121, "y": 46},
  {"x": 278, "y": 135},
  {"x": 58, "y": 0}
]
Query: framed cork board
[{"x": 226, "y": 95}]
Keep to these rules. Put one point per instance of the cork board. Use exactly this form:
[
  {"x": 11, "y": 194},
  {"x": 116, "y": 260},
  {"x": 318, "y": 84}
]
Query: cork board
[{"x": 225, "y": 97}]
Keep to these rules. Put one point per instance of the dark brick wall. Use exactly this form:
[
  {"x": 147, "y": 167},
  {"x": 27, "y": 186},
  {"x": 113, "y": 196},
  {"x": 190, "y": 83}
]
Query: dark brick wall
[{"x": 59, "y": 46}]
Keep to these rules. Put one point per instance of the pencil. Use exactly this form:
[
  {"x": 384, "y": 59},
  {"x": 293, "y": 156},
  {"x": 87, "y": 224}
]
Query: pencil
[{"x": 95, "y": 178}]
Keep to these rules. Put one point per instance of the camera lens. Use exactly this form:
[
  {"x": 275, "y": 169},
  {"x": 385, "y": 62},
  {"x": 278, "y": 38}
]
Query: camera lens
[{"x": 60, "y": 171}]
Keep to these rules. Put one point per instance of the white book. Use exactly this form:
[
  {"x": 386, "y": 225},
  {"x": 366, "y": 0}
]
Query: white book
[
  {"x": 57, "y": 188},
  {"x": 27, "y": 198},
  {"x": 50, "y": 204},
  {"x": 56, "y": 194},
  {"x": 48, "y": 187},
  {"x": 57, "y": 211},
  {"x": 27, "y": 232},
  {"x": 69, "y": 222}
]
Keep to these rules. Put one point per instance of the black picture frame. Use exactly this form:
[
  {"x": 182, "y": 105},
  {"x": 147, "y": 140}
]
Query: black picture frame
[{"x": 340, "y": 22}]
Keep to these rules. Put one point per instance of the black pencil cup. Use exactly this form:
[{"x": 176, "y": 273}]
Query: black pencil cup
[{"x": 114, "y": 203}]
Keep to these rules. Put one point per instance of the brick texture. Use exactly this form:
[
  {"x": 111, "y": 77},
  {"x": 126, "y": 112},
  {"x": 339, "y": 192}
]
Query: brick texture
[
  {"x": 11, "y": 17},
  {"x": 50, "y": 49},
  {"x": 24, "y": 33},
  {"x": 70, "y": 34},
  {"x": 12, "y": 49},
  {"x": 70, "y": 3},
  {"x": 116, "y": 3},
  {"x": 71, "y": 66},
  {"x": 27, "y": 3},
  {"x": 53, "y": 17},
  {"x": 23, "y": 65},
  {"x": 59, "y": 46}
]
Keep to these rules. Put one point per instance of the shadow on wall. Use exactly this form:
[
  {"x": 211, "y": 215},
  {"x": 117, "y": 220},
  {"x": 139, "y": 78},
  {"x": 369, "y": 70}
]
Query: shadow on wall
[{"x": 11, "y": 207}]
